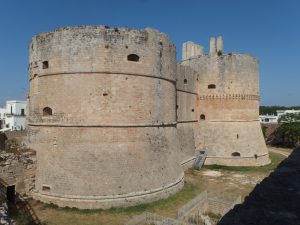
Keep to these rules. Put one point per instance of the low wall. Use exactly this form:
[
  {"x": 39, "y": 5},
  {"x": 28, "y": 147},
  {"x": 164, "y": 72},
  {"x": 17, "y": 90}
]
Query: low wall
[
  {"x": 201, "y": 204},
  {"x": 18, "y": 169}
]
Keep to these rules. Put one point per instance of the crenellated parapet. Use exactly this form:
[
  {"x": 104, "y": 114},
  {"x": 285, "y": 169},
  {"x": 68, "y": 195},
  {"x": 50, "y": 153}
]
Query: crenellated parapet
[{"x": 229, "y": 97}]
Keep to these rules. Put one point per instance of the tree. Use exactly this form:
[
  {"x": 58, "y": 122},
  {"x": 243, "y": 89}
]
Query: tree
[{"x": 289, "y": 129}]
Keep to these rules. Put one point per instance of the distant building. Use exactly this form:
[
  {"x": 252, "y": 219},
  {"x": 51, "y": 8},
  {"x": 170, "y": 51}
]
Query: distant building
[
  {"x": 2, "y": 117},
  {"x": 283, "y": 112},
  {"x": 13, "y": 117},
  {"x": 274, "y": 118},
  {"x": 268, "y": 118}
]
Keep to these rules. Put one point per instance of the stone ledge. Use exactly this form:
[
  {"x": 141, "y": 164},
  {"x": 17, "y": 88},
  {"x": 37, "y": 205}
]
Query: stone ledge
[{"x": 92, "y": 202}]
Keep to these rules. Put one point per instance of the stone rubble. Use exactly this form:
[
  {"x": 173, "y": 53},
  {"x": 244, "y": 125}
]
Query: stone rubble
[{"x": 4, "y": 218}]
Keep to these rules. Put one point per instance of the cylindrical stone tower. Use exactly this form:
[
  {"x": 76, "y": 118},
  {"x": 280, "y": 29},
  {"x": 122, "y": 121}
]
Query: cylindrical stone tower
[
  {"x": 102, "y": 116},
  {"x": 228, "y": 93}
]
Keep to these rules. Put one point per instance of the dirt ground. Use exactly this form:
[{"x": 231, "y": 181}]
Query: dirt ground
[{"x": 227, "y": 181}]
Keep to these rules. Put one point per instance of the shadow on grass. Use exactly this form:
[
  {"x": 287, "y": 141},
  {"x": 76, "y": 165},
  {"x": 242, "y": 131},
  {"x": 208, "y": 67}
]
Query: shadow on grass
[{"x": 274, "y": 201}]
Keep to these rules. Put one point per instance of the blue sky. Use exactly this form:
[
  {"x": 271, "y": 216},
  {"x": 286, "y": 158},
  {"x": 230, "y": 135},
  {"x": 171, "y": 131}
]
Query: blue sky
[{"x": 266, "y": 29}]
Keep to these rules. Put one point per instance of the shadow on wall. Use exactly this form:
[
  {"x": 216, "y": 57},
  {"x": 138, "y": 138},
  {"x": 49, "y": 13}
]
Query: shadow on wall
[
  {"x": 275, "y": 201},
  {"x": 3, "y": 138}
]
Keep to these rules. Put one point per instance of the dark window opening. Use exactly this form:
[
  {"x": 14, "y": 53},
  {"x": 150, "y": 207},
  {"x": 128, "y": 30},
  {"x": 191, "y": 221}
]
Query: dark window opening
[
  {"x": 237, "y": 136},
  {"x": 106, "y": 46},
  {"x": 236, "y": 154},
  {"x": 211, "y": 86},
  {"x": 11, "y": 111},
  {"x": 105, "y": 94},
  {"x": 255, "y": 156},
  {"x": 185, "y": 81},
  {"x": 22, "y": 112},
  {"x": 47, "y": 111},
  {"x": 133, "y": 58},
  {"x": 193, "y": 110},
  {"x": 46, "y": 188},
  {"x": 45, "y": 65},
  {"x": 10, "y": 194},
  {"x": 176, "y": 106},
  {"x": 202, "y": 117},
  {"x": 126, "y": 46}
]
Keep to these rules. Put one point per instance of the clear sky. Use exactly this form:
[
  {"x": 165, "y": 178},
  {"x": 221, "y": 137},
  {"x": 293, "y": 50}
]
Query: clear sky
[{"x": 266, "y": 29}]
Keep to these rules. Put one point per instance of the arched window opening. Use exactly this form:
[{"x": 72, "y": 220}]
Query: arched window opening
[
  {"x": 45, "y": 65},
  {"x": 185, "y": 81},
  {"x": 202, "y": 117},
  {"x": 211, "y": 86},
  {"x": 47, "y": 111},
  {"x": 133, "y": 58},
  {"x": 237, "y": 154}
]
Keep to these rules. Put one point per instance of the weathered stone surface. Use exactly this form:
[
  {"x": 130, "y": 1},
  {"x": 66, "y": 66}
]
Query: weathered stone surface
[
  {"x": 19, "y": 169},
  {"x": 112, "y": 138},
  {"x": 112, "y": 115},
  {"x": 228, "y": 100}
]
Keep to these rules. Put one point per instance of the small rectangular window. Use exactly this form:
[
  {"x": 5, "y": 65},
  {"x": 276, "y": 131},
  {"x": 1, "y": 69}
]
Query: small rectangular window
[
  {"x": 211, "y": 86},
  {"x": 46, "y": 188},
  {"x": 45, "y": 65}
]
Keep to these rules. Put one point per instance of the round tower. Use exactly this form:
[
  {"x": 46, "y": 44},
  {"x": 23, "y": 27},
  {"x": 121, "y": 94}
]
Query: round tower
[
  {"x": 102, "y": 116},
  {"x": 228, "y": 97}
]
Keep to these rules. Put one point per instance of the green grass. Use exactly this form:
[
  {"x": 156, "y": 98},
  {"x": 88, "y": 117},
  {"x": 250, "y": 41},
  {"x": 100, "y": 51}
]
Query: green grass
[
  {"x": 275, "y": 160},
  {"x": 188, "y": 192}
]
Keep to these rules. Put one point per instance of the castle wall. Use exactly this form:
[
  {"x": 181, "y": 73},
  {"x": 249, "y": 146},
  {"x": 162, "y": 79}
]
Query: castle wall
[
  {"x": 228, "y": 104},
  {"x": 187, "y": 84},
  {"x": 111, "y": 139}
]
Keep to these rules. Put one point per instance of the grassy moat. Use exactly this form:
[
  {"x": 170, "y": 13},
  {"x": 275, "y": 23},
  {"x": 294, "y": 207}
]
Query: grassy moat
[{"x": 215, "y": 179}]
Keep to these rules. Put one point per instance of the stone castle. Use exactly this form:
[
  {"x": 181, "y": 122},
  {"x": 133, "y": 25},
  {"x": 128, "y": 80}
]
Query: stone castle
[{"x": 115, "y": 119}]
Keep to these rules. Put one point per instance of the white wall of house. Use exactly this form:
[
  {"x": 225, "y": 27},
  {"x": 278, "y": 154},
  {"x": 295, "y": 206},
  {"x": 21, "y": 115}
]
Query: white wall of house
[
  {"x": 268, "y": 119},
  {"x": 283, "y": 112},
  {"x": 15, "y": 122},
  {"x": 2, "y": 117},
  {"x": 13, "y": 117},
  {"x": 16, "y": 107}
]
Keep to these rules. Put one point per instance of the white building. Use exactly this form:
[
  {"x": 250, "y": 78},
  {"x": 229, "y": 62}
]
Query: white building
[
  {"x": 2, "y": 117},
  {"x": 273, "y": 118},
  {"x": 283, "y": 112},
  {"x": 13, "y": 117},
  {"x": 268, "y": 118}
]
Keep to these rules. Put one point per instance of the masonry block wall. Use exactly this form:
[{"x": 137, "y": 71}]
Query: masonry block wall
[
  {"x": 187, "y": 111},
  {"x": 115, "y": 119},
  {"x": 228, "y": 97},
  {"x": 103, "y": 116}
]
